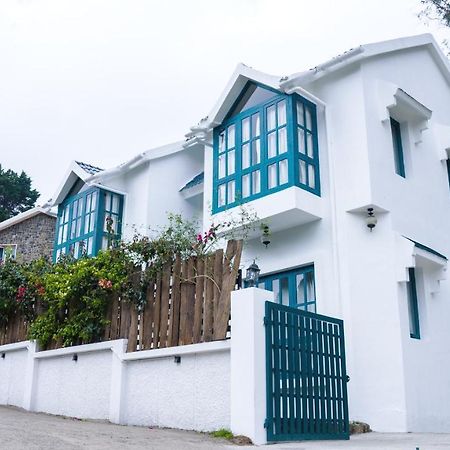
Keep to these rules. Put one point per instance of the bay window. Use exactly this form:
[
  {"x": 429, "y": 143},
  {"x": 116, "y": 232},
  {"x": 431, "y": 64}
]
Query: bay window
[
  {"x": 265, "y": 147},
  {"x": 88, "y": 222}
]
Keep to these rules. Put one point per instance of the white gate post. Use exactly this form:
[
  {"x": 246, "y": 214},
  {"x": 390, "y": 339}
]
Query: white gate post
[
  {"x": 248, "y": 363},
  {"x": 117, "y": 381}
]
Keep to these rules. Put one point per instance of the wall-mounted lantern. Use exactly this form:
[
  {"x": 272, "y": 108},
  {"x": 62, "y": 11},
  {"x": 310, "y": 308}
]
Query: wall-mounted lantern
[
  {"x": 371, "y": 220},
  {"x": 252, "y": 275},
  {"x": 265, "y": 235},
  {"x": 75, "y": 357}
]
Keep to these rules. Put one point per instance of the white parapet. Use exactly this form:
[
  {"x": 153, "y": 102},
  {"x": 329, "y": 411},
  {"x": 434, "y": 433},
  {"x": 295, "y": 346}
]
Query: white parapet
[{"x": 248, "y": 363}]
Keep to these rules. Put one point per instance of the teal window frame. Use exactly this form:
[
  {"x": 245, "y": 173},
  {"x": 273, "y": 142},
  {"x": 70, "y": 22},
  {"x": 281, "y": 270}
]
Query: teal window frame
[
  {"x": 413, "y": 306},
  {"x": 448, "y": 171},
  {"x": 301, "y": 125},
  {"x": 397, "y": 144},
  {"x": 291, "y": 277},
  {"x": 80, "y": 226}
]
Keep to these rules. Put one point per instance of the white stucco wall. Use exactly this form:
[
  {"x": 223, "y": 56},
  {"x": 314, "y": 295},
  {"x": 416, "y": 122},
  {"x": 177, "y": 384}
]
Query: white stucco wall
[
  {"x": 12, "y": 380},
  {"x": 77, "y": 389},
  {"x": 192, "y": 395},
  {"x": 143, "y": 388}
]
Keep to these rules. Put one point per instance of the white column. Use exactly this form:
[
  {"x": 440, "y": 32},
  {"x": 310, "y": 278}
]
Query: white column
[
  {"x": 30, "y": 376},
  {"x": 248, "y": 363},
  {"x": 117, "y": 381}
]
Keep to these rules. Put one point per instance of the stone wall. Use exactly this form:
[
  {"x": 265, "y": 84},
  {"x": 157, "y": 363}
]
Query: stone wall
[{"x": 34, "y": 237}]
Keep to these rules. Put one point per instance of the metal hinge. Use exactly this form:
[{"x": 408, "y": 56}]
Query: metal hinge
[
  {"x": 266, "y": 321},
  {"x": 266, "y": 423}
]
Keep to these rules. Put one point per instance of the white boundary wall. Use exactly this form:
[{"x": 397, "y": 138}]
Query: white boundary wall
[
  {"x": 219, "y": 384},
  {"x": 141, "y": 388}
]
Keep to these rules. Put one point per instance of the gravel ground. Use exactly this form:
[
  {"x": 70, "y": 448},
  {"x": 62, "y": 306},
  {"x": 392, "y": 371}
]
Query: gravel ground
[{"x": 21, "y": 430}]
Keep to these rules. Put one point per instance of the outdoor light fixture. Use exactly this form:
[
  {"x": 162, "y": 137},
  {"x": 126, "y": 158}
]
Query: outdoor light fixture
[
  {"x": 177, "y": 359},
  {"x": 3, "y": 355},
  {"x": 265, "y": 236},
  {"x": 252, "y": 275},
  {"x": 371, "y": 220},
  {"x": 75, "y": 357}
]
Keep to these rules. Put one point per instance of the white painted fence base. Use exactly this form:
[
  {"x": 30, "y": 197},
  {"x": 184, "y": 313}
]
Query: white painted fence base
[
  {"x": 142, "y": 388},
  {"x": 215, "y": 385}
]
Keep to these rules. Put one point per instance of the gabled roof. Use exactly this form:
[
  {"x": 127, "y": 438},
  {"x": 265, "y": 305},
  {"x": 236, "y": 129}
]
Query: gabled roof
[
  {"x": 299, "y": 80},
  {"x": 88, "y": 168},
  {"x": 366, "y": 51},
  {"x": 93, "y": 175},
  {"x": 25, "y": 216},
  {"x": 75, "y": 172}
]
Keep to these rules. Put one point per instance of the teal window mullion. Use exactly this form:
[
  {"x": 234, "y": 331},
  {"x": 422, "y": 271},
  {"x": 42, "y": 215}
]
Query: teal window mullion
[
  {"x": 292, "y": 142},
  {"x": 99, "y": 222},
  {"x": 264, "y": 151}
]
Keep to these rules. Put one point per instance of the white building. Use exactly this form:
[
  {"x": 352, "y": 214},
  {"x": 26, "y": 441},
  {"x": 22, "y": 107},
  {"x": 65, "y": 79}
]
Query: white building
[{"x": 311, "y": 153}]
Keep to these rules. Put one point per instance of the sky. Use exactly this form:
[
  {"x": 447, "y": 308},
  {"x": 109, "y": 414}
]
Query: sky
[{"x": 100, "y": 81}]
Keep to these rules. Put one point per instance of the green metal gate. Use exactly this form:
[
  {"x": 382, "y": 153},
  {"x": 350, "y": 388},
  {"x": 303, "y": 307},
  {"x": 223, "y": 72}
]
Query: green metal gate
[{"x": 306, "y": 375}]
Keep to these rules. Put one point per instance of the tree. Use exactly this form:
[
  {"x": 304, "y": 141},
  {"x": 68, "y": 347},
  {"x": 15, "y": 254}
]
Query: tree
[
  {"x": 437, "y": 10},
  {"x": 16, "y": 194}
]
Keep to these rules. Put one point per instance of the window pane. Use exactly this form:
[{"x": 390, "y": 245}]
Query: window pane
[
  {"x": 221, "y": 195},
  {"x": 272, "y": 144},
  {"x": 230, "y": 162},
  {"x": 222, "y": 166},
  {"x": 94, "y": 201},
  {"x": 256, "y": 182},
  {"x": 256, "y": 152},
  {"x": 283, "y": 171},
  {"x": 222, "y": 141},
  {"x": 255, "y": 125},
  {"x": 311, "y": 307},
  {"x": 271, "y": 118},
  {"x": 245, "y": 156},
  {"x": 281, "y": 113},
  {"x": 276, "y": 290},
  {"x": 246, "y": 129},
  {"x": 302, "y": 172},
  {"x": 309, "y": 145},
  {"x": 115, "y": 204},
  {"x": 301, "y": 140},
  {"x": 92, "y": 222},
  {"x": 311, "y": 177},
  {"x": 284, "y": 288},
  {"x": 272, "y": 176},
  {"x": 231, "y": 192},
  {"x": 300, "y": 119},
  {"x": 282, "y": 140},
  {"x": 310, "y": 287},
  {"x": 300, "y": 284},
  {"x": 108, "y": 201},
  {"x": 230, "y": 136},
  {"x": 308, "y": 116},
  {"x": 246, "y": 185},
  {"x": 90, "y": 243}
]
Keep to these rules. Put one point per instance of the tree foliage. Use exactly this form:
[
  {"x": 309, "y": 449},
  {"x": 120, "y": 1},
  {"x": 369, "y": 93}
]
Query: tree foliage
[
  {"x": 437, "y": 10},
  {"x": 16, "y": 193}
]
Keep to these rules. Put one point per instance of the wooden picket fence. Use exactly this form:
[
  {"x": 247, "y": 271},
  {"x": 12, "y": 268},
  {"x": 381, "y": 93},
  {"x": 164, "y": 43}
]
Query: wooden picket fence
[
  {"x": 15, "y": 330},
  {"x": 188, "y": 303}
]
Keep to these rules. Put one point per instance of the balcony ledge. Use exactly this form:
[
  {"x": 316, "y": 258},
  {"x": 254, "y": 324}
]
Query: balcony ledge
[{"x": 281, "y": 210}]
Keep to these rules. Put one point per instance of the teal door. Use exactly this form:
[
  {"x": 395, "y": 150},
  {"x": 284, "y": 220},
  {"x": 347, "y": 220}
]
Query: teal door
[{"x": 306, "y": 375}]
